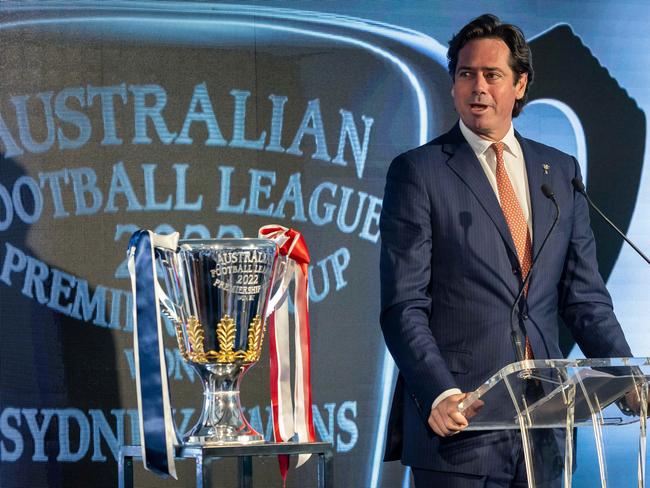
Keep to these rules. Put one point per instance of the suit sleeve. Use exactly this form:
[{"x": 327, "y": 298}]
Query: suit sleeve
[
  {"x": 405, "y": 270},
  {"x": 584, "y": 303}
]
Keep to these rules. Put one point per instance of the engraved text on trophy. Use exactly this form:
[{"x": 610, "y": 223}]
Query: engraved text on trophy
[{"x": 239, "y": 272}]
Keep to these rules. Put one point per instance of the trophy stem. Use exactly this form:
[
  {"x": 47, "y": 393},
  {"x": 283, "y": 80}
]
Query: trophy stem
[{"x": 222, "y": 420}]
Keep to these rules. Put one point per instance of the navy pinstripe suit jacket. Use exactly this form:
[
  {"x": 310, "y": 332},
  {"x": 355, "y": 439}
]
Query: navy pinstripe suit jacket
[{"x": 449, "y": 276}]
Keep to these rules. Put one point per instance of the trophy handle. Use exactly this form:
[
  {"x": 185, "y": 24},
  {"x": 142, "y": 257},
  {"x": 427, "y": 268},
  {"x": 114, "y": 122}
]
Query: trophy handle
[
  {"x": 169, "y": 265},
  {"x": 167, "y": 304},
  {"x": 279, "y": 284}
]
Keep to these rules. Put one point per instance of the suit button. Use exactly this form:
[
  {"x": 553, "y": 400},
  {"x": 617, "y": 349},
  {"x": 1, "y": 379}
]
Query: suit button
[{"x": 525, "y": 316}]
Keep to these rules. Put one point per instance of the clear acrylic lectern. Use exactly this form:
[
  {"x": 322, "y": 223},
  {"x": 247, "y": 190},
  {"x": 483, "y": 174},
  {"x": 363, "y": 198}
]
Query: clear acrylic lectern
[{"x": 564, "y": 394}]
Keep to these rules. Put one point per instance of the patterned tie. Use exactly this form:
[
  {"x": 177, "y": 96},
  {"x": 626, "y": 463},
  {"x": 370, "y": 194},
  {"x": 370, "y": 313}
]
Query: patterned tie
[{"x": 516, "y": 222}]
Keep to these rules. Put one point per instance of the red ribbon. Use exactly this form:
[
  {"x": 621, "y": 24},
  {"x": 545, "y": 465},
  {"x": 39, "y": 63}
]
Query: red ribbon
[{"x": 285, "y": 424}]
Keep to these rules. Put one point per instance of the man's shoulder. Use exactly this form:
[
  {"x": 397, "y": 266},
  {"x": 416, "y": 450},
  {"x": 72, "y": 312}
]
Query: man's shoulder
[
  {"x": 436, "y": 149},
  {"x": 544, "y": 149}
]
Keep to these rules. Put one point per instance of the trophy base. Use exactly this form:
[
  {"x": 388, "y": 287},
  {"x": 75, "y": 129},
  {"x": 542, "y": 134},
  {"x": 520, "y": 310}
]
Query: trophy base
[
  {"x": 222, "y": 421},
  {"x": 235, "y": 440},
  {"x": 221, "y": 435}
]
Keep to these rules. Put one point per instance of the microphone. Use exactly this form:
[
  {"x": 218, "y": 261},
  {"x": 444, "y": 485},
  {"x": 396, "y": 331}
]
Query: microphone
[
  {"x": 580, "y": 188},
  {"x": 515, "y": 332}
]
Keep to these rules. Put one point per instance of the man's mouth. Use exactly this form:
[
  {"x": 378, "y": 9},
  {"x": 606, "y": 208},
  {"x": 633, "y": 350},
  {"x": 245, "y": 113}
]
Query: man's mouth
[{"x": 478, "y": 107}]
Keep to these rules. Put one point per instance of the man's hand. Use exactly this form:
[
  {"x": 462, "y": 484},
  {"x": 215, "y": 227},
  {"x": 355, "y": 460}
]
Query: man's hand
[
  {"x": 631, "y": 404},
  {"x": 445, "y": 419}
]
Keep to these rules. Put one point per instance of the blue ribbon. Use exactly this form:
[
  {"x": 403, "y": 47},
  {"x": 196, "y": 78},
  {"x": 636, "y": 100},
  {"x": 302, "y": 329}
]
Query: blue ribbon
[{"x": 158, "y": 433}]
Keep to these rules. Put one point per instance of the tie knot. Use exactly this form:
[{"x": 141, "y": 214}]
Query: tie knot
[{"x": 497, "y": 147}]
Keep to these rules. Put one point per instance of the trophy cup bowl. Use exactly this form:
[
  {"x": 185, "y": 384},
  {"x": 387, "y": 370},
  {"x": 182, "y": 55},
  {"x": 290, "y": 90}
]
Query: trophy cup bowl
[{"x": 217, "y": 295}]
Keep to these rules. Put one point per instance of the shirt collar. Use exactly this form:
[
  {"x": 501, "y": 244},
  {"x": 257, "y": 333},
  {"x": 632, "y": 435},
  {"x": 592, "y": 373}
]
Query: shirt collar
[{"x": 480, "y": 145}]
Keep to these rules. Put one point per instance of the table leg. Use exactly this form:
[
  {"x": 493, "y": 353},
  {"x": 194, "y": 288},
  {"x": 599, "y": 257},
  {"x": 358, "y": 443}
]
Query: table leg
[
  {"x": 326, "y": 470},
  {"x": 202, "y": 471},
  {"x": 125, "y": 471},
  {"x": 245, "y": 471}
]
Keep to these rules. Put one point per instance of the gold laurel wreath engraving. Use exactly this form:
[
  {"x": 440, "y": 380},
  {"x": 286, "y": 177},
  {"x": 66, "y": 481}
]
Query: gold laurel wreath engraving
[
  {"x": 255, "y": 336},
  {"x": 181, "y": 342},
  {"x": 196, "y": 337},
  {"x": 226, "y": 337},
  {"x": 226, "y": 331}
]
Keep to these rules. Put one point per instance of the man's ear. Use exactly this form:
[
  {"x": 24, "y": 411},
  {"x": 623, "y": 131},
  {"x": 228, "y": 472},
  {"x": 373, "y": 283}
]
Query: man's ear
[
  {"x": 520, "y": 86},
  {"x": 452, "y": 91}
]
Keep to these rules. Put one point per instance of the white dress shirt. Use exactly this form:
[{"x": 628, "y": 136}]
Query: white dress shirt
[{"x": 513, "y": 159}]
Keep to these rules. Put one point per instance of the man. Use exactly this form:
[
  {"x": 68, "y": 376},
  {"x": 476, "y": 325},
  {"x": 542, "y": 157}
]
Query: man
[{"x": 462, "y": 219}]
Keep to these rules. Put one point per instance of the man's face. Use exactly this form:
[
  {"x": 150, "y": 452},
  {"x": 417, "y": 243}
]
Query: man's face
[{"x": 484, "y": 87}]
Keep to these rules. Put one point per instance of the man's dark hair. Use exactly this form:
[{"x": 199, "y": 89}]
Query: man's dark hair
[{"x": 489, "y": 26}]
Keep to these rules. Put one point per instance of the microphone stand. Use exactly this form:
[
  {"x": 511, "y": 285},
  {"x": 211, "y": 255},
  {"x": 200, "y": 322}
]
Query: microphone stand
[{"x": 580, "y": 188}]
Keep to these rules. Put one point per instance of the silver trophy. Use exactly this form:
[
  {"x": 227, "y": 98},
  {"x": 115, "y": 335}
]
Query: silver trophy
[{"x": 217, "y": 295}]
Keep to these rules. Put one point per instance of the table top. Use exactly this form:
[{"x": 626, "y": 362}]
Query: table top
[{"x": 261, "y": 449}]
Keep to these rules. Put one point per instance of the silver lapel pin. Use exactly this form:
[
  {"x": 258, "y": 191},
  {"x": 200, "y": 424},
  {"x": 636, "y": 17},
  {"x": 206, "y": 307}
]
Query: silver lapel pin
[{"x": 546, "y": 167}]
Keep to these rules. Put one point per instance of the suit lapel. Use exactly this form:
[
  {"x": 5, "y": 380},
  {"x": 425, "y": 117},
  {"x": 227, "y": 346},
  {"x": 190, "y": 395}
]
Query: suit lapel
[
  {"x": 464, "y": 163},
  {"x": 541, "y": 208}
]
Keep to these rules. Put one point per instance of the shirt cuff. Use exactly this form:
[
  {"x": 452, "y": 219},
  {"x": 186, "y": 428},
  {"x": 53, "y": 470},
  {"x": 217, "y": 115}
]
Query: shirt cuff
[{"x": 445, "y": 394}]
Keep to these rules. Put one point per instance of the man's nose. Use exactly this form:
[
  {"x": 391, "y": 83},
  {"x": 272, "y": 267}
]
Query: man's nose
[{"x": 480, "y": 84}]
